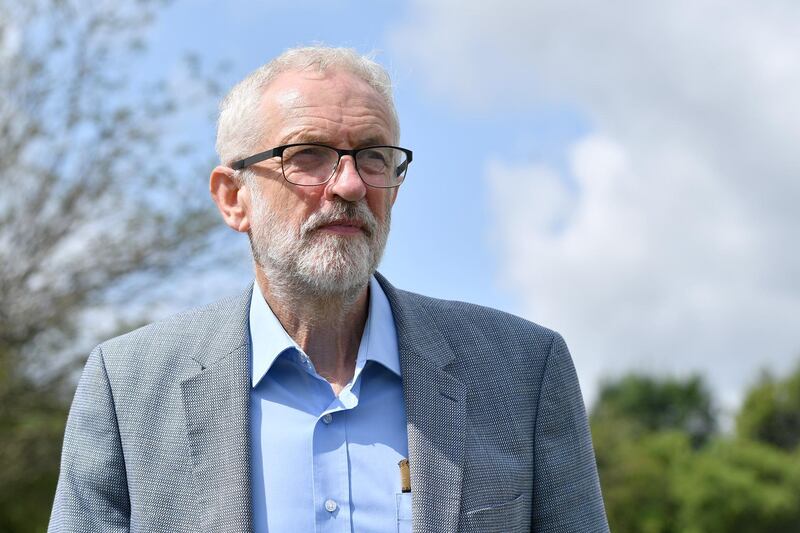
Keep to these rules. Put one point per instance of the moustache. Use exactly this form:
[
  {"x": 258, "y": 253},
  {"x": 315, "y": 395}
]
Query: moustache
[{"x": 356, "y": 213}]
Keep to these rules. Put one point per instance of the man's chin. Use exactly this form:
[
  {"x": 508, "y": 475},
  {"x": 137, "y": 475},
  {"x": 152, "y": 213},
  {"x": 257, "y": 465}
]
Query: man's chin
[
  {"x": 336, "y": 235},
  {"x": 332, "y": 264}
]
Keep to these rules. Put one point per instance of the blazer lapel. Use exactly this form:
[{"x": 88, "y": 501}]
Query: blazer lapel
[
  {"x": 436, "y": 415},
  {"x": 216, "y": 401}
]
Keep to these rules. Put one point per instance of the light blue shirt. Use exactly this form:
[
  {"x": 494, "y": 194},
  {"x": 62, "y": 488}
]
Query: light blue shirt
[{"x": 320, "y": 462}]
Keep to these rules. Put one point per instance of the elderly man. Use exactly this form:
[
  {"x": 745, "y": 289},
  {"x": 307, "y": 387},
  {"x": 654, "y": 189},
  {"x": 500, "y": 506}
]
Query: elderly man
[{"x": 323, "y": 398}]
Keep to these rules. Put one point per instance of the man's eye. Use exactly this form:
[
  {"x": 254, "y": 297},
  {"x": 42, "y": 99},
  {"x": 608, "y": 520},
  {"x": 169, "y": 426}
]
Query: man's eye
[
  {"x": 374, "y": 155},
  {"x": 373, "y": 161},
  {"x": 309, "y": 156},
  {"x": 310, "y": 151}
]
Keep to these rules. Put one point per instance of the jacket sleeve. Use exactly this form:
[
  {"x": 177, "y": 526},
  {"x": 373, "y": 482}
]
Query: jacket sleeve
[
  {"x": 566, "y": 488},
  {"x": 92, "y": 491}
]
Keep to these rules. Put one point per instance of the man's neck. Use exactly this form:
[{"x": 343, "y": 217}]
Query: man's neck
[{"x": 327, "y": 328}]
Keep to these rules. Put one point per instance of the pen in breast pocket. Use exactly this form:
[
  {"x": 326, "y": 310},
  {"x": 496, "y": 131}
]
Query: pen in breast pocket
[{"x": 405, "y": 476}]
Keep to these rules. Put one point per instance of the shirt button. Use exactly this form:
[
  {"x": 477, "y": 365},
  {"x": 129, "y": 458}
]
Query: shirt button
[
  {"x": 327, "y": 418},
  {"x": 330, "y": 505}
]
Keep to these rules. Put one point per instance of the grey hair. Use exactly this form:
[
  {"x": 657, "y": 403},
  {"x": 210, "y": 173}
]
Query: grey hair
[{"x": 240, "y": 129}]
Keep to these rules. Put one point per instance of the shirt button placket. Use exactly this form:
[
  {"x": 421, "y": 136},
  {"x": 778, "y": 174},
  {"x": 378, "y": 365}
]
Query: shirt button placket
[{"x": 332, "y": 476}]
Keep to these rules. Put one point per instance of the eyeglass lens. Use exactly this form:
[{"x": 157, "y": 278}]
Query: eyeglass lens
[{"x": 311, "y": 165}]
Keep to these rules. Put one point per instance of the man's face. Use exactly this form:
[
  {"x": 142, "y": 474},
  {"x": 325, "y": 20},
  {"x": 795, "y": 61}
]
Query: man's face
[{"x": 324, "y": 239}]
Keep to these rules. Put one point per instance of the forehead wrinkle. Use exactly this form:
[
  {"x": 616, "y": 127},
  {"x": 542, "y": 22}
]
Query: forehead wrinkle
[{"x": 361, "y": 130}]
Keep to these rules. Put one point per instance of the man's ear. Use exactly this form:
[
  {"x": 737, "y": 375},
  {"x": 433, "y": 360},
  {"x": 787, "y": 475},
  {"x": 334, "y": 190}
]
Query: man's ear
[{"x": 232, "y": 198}]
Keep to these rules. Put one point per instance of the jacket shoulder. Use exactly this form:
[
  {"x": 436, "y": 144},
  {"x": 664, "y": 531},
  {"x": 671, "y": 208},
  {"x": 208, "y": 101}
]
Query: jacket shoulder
[
  {"x": 195, "y": 331},
  {"x": 466, "y": 320}
]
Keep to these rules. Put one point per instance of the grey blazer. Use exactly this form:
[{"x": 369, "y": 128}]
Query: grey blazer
[{"x": 157, "y": 438}]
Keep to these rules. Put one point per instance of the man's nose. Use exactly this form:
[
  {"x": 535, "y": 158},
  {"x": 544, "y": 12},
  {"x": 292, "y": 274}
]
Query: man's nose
[{"x": 346, "y": 183}]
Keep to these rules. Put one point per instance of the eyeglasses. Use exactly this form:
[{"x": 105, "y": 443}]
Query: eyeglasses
[{"x": 315, "y": 164}]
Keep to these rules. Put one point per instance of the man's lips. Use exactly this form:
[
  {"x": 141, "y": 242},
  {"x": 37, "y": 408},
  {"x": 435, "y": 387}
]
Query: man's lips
[{"x": 343, "y": 227}]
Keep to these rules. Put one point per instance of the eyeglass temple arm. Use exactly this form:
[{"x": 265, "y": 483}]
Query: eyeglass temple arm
[
  {"x": 401, "y": 168},
  {"x": 404, "y": 165},
  {"x": 257, "y": 158}
]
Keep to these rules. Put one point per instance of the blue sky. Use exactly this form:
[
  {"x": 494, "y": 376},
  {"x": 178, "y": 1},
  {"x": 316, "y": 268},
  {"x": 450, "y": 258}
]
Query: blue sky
[
  {"x": 621, "y": 174},
  {"x": 442, "y": 218}
]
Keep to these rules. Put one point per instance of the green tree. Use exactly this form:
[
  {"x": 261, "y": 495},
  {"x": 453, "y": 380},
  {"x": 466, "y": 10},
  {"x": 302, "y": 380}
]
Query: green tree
[
  {"x": 98, "y": 204},
  {"x": 31, "y": 426},
  {"x": 643, "y": 429},
  {"x": 637, "y": 476},
  {"x": 771, "y": 412},
  {"x": 741, "y": 486},
  {"x": 649, "y": 404}
]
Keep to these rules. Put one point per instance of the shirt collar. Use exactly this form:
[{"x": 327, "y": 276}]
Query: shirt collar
[
  {"x": 268, "y": 338},
  {"x": 380, "y": 336}
]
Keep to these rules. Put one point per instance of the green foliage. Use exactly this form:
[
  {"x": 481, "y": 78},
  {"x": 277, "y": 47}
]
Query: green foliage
[
  {"x": 650, "y": 404},
  {"x": 30, "y": 443},
  {"x": 659, "y": 475},
  {"x": 771, "y": 412},
  {"x": 741, "y": 486},
  {"x": 637, "y": 474}
]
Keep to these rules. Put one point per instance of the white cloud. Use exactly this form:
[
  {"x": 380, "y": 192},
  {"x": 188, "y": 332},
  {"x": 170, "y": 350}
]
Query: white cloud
[{"x": 678, "y": 252}]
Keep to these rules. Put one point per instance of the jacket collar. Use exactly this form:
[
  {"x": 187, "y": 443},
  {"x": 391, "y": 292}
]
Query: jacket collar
[
  {"x": 216, "y": 403},
  {"x": 435, "y": 412}
]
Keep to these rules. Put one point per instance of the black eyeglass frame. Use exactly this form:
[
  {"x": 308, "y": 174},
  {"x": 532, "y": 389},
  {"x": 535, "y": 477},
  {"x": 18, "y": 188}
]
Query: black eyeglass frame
[{"x": 241, "y": 164}]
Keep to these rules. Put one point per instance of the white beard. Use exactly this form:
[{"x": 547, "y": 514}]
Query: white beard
[{"x": 315, "y": 263}]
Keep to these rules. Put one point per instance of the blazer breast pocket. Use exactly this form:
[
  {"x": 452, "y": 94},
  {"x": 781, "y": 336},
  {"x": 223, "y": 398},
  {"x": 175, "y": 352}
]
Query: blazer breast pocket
[{"x": 508, "y": 517}]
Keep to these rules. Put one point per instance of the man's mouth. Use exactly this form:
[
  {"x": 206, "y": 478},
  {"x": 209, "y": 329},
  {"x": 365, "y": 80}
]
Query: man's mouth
[{"x": 343, "y": 226}]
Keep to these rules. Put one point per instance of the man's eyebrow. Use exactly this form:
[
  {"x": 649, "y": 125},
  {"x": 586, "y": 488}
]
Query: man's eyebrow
[
  {"x": 304, "y": 137},
  {"x": 373, "y": 141}
]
